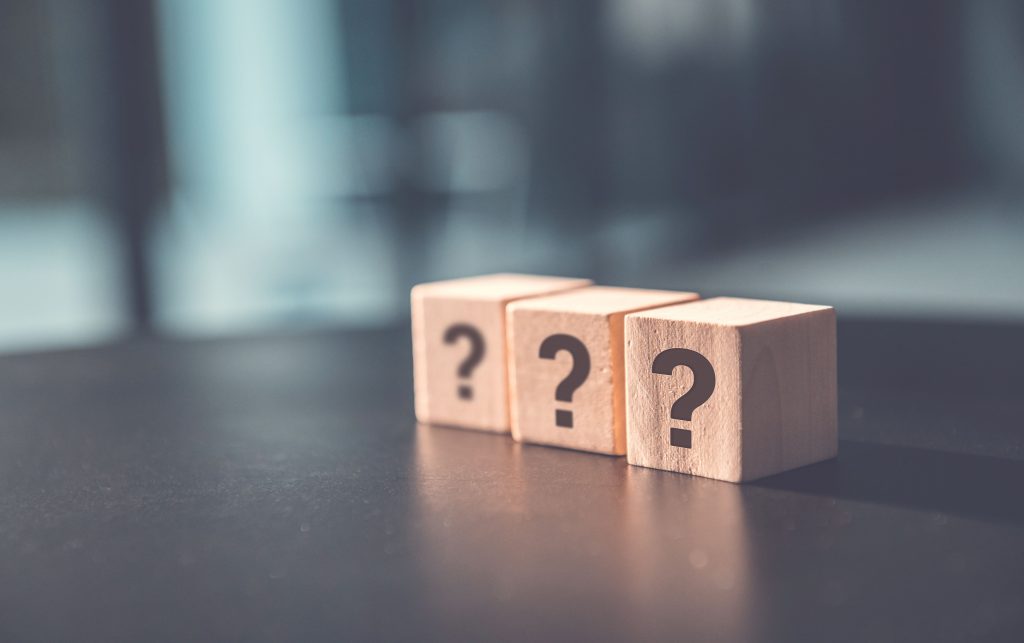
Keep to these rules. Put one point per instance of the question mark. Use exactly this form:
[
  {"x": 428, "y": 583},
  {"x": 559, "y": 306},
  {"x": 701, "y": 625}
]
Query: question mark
[
  {"x": 476, "y": 353},
  {"x": 580, "y": 370},
  {"x": 703, "y": 387}
]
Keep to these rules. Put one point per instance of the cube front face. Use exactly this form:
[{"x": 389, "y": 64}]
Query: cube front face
[
  {"x": 460, "y": 353},
  {"x": 562, "y": 380},
  {"x": 772, "y": 402},
  {"x": 712, "y": 426}
]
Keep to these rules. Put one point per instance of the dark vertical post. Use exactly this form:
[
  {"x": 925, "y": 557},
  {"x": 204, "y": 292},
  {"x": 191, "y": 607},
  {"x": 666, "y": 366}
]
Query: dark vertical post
[
  {"x": 382, "y": 40},
  {"x": 572, "y": 182},
  {"x": 135, "y": 143},
  {"x": 407, "y": 198}
]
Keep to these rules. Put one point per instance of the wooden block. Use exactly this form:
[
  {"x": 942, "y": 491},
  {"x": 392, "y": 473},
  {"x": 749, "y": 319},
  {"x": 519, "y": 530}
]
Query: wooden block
[
  {"x": 459, "y": 350},
  {"x": 567, "y": 366},
  {"x": 763, "y": 399}
]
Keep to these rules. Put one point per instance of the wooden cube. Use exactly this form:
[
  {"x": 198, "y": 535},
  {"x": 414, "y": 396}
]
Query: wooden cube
[
  {"x": 733, "y": 389},
  {"x": 567, "y": 368},
  {"x": 460, "y": 365}
]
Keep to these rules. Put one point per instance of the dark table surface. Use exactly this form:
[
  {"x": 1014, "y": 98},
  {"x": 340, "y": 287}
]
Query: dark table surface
[{"x": 279, "y": 488}]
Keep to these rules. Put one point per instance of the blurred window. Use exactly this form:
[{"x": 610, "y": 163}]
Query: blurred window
[{"x": 59, "y": 274}]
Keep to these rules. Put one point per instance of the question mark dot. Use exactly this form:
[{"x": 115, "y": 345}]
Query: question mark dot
[
  {"x": 681, "y": 438},
  {"x": 465, "y": 393},
  {"x": 563, "y": 418}
]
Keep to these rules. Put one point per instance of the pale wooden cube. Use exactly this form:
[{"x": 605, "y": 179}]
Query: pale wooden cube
[
  {"x": 460, "y": 367},
  {"x": 757, "y": 381},
  {"x": 567, "y": 368}
]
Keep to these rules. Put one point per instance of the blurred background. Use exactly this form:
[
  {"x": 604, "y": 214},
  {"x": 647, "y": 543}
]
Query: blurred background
[{"x": 213, "y": 167}]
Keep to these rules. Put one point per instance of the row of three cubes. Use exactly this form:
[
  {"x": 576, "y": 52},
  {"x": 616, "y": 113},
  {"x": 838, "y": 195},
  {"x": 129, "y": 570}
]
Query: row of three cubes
[{"x": 727, "y": 388}]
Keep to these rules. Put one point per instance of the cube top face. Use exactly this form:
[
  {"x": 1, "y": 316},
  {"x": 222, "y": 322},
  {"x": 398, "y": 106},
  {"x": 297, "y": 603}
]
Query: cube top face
[
  {"x": 733, "y": 389},
  {"x": 735, "y": 311},
  {"x": 502, "y": 287},
  {"x": 459, "y": 350},
  {"x": 605, "y": 300},
  {"x": 567, "y": 366}
]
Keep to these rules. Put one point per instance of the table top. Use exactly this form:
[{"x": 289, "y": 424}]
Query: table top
[{"x": 279, "y": 488}]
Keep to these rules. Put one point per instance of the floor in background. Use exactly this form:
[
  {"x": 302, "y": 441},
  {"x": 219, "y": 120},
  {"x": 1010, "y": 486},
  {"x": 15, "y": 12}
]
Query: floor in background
[
  {"x": 960, "y": 259},
  {"x": 59, "y": 280}
]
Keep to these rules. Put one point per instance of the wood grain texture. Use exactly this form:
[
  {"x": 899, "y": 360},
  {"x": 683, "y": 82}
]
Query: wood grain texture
[
  {"x": 773, "y": 406},
  {"x": 479, "y": 302},
  {"x": 594, "y": 316}
]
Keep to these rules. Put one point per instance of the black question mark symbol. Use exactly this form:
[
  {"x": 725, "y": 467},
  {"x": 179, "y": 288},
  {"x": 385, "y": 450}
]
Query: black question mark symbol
[
  {"x": 580, "y": 370},
  {"x": 703, "y": 387},
  {"x": 476, "y": 353}
]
